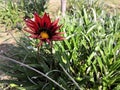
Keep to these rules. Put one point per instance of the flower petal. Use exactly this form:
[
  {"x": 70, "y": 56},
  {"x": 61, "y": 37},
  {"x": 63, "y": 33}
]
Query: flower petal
[
  {"x": 34, "y": 36},
  {"x": 56, "y": 28},
  {"x": 47, "y": 40},
  {"x": 57, "y": 38},
  {"x": 40, "y": 44},
  {"x": 28, "y": 30},
  {"x": 57, "y": 33},
  {"x": 38, "y": 19},
  {"x": 46, "y": 20},
  {"x": 31, "y": 24},
  {"x": 55, "y": 22}
]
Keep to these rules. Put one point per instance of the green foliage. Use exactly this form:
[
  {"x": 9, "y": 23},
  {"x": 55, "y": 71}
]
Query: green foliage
[
  {"x": 89, "y": 58},
  {"x": 12, "y": 13},
  {"x": 30, "y": 6}
]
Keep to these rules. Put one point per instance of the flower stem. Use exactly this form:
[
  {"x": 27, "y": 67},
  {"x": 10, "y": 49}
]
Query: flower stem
[
  {"x": 51, "y": 56},
  {"x": 38, "y": 54}
]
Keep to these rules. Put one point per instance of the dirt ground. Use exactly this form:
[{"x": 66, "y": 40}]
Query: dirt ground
[{"x": 6, "y": 38}]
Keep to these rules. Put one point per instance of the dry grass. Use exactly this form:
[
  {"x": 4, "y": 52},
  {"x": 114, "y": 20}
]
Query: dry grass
[
  {"x": 112, "y": 5},
  {"x": 53, "y": 7}
]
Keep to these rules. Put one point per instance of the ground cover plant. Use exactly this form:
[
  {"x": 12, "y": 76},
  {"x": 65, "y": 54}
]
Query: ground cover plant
[{"x": 87, "y": 58}]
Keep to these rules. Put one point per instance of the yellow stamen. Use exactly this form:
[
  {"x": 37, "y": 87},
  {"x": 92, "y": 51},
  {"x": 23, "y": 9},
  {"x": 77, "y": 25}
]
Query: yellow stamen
[{"x": 44, "y": 35}]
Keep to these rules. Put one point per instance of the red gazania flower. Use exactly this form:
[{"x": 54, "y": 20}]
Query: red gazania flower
[{"x": 43, "y": 29}]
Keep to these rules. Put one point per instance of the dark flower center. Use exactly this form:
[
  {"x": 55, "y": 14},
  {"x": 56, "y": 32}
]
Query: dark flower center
[{"x": 44, "y": 33}]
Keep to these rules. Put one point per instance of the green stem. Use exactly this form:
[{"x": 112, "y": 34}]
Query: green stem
[
  {"x": 51, "y": 46},
  {"x": 70, "y": 77},
  {"x": 51, "y": 56},
  {"x": 38, "y": 54}
]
